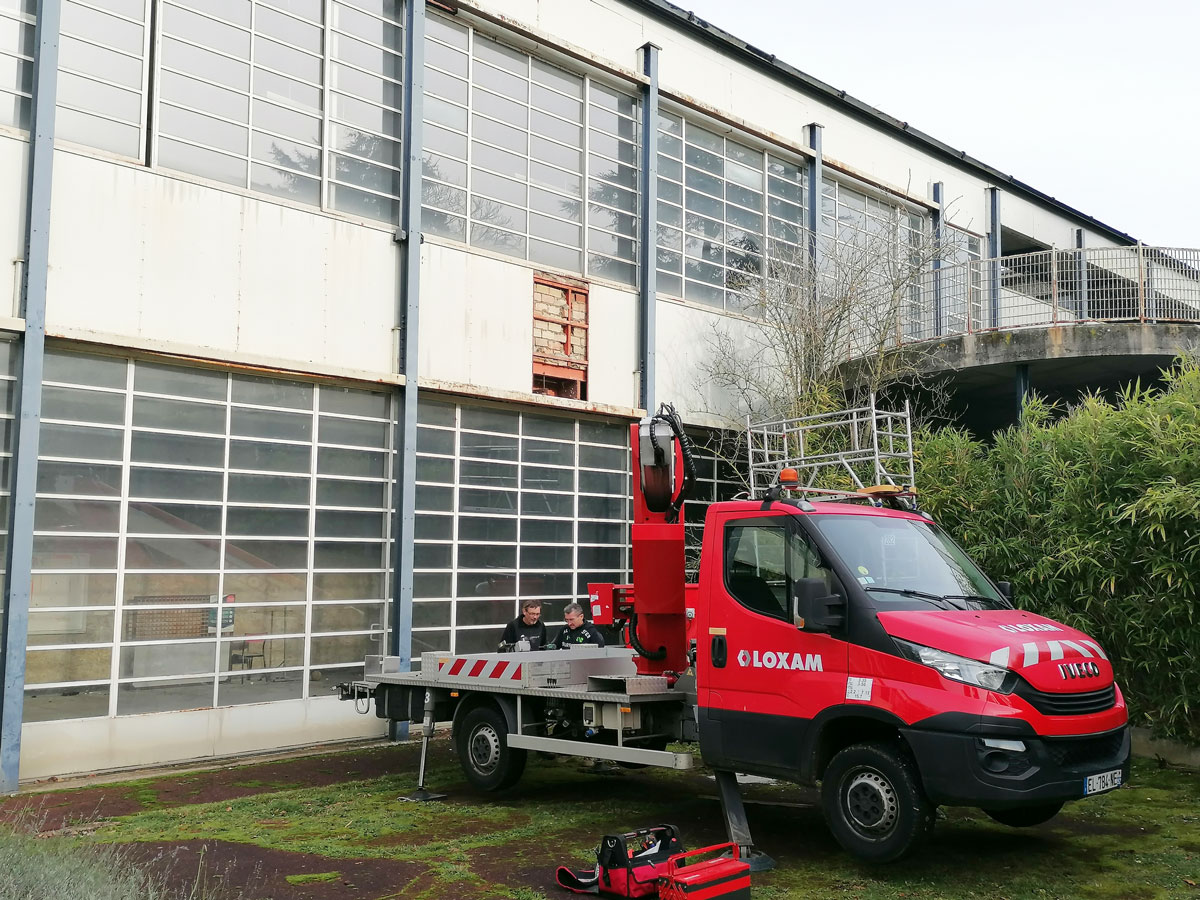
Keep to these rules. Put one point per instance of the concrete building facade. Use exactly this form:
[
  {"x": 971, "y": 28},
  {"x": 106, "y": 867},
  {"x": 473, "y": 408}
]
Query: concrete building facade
[{"x": 241, "y": 230}]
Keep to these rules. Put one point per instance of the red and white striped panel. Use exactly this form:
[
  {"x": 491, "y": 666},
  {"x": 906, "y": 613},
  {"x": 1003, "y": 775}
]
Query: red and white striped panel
[{"x": 487, "y": 671}]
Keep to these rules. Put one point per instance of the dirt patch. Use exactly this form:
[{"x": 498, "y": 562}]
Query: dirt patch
[
  {"x": 51, "y": 811},
  {"x": 1092, "y": 826},
  {"x": 262, "y": 873}
]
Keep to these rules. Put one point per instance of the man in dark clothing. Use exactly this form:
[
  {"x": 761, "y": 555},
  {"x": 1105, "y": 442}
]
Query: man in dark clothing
[
  {"x": 528, "y": 627},
  {"x": 577, "y": 630}
]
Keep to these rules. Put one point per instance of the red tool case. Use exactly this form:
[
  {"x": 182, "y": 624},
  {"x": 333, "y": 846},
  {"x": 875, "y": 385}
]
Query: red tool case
[{"x": 725, "y": 876}]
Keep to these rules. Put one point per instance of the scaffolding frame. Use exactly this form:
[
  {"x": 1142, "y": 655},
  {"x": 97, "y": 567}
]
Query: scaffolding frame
[{"x": 871, "y": 445}]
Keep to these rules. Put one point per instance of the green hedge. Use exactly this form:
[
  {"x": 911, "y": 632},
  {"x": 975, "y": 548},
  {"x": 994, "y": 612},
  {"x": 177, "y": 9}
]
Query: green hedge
[{"x": 1095, "y": 518}]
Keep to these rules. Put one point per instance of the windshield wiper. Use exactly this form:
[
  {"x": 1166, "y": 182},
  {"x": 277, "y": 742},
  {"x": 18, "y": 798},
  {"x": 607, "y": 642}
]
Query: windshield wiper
[
  {"x": 943, "y": 602},
  {"x": 987, "y": 602}
]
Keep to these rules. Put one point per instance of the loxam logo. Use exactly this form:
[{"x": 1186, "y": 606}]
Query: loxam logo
[
  {"x": 770, "y": 659},
  {"x": 1030, "y": 626}
]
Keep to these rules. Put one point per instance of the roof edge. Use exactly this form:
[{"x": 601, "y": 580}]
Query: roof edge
[{"x": 857, "y": 108}]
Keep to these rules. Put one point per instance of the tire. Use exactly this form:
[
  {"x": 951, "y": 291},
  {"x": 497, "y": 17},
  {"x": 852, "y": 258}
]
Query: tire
[
  {"x": 874, "y": 802},
  {"x": 481, "y": 740},
  {"x": 1025, "y": 816}
]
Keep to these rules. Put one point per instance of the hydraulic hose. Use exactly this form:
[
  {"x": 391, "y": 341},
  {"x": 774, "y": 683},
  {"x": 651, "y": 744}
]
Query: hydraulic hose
[
  {"x": 660, "y": 653},
  {"x": 666, "y": 413}
]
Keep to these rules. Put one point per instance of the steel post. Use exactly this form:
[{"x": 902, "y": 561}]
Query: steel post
[
  {"x": 816, "y": 177},
  {"x": 19, "y": 556},
  {"x": 1022, "y": 386},
  {"x": 648, "y": 244},
  {"x": 995, "y": 248},
  {"x": 939, "y": 219},
  {"x": 1081, "y": 273},
  {"x": 408, "y": 309}
]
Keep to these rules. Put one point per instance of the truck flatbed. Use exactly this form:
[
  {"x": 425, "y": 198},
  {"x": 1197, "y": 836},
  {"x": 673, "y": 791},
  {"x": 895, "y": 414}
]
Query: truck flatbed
[{"x": 604, "y": 681}]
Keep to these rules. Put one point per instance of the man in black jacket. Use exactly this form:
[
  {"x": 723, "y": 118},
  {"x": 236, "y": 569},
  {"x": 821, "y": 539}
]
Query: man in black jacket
[
  {"x": 528, "y": 626},
  {"x": 577, "y": 630}
]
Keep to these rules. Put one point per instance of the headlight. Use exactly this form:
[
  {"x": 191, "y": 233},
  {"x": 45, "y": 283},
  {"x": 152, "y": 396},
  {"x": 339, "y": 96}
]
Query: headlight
[{"x": 958, "y": 668}]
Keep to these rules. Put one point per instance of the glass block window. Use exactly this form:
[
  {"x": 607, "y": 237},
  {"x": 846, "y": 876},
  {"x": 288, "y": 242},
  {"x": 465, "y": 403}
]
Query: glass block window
[
  {"x": 512, "y": 504},
  {"x": 722, "y": 206},
  {"x": 507, "y": 159},
  {"x": 102, "y": 78},
  {"x": 17, "y": 20},
  {"x": 613, "y": 159},
  {"x": 9, "y": 361},
  {"x": 853, "y": 221},
  {"x": 276, "y": 98},
  {"x": 202, "y": 538}
]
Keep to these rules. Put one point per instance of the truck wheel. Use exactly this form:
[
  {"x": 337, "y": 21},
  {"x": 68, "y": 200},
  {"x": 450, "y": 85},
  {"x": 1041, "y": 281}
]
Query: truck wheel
[
  {"x": 482, "y": 744},
  {"x": 874, "y": 802},
  {"x": 1025, "y": 816}
]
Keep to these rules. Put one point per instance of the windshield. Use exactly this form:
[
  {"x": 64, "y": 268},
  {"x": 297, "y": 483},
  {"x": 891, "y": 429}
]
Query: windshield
[{"x": 899, "y": 559}]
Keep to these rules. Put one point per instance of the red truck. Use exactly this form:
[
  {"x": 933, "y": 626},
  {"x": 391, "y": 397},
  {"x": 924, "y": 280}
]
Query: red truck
[{"x": 849, "y": 643}]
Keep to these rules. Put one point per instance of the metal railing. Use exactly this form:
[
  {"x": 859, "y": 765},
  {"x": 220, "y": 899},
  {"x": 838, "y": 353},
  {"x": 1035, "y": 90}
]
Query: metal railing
[{"x": 1052, "y": 287}]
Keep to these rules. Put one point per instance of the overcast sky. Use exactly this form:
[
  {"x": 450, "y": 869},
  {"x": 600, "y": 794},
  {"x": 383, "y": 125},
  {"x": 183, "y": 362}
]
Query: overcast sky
[{"x": 1094, "y": 102}]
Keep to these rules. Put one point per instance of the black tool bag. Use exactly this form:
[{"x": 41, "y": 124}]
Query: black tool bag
[{"x": 627, "y": 865}]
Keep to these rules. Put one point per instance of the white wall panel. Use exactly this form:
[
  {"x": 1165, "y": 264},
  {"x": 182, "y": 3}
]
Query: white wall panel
[
  {"x": 685, "y": 339},
  {"x": 85, "y": 745},
  {"x": 613, "y": 352},
  {"x": 476, "y": 319},
  {"x": 156, "y": 258},
  {"x": 14, "y": 156}
]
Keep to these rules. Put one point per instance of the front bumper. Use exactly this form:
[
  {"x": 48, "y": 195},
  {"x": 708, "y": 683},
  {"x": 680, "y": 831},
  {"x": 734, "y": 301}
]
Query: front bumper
[{"x": 961, "y": 768}]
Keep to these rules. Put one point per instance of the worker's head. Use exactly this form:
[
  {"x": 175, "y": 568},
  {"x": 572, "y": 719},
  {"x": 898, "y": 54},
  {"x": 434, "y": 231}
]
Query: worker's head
[
  {"x": 531, "y": 611},
  {"x": 573, "y": 613}
]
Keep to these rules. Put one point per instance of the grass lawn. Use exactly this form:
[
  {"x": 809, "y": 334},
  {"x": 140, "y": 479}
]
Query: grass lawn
[{"x": 335, "y": 828}]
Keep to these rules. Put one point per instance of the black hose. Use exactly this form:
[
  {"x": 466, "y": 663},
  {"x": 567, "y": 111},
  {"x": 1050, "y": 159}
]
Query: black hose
[
  {"x": 667, "y": 413},
  {"x": 660, "y": 653}
]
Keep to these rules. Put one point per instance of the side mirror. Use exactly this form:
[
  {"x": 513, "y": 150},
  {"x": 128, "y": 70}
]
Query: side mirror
[
  {"x": 1005, "y": 590},
  {"x": 814, "y": 608}
]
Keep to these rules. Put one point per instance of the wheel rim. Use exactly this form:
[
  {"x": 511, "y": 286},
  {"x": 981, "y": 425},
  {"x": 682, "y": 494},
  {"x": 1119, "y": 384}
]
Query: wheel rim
[
  {"x": 869, "y": 803},
  {"x": 484, "y": 749}
]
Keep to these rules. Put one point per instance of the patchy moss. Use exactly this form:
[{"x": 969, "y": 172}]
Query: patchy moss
[
  {"x": 312, "y": 877},
  {"x": 1142, "y": 841}
]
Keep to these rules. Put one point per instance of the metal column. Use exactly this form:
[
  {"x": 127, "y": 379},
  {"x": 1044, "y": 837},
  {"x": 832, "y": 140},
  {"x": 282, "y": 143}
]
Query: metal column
[
  {"x": 648, "y": 246},
  {"x": 19, "y": 556},
  {"x": 994, "y": 250},
  {"x": 1081, "y": 273},
  {"x": 1022, "y": 386},
  {"x": 816, "y": 176},
  {"x": 939, "y": 220},
  {"x": 408, "y": 307}
]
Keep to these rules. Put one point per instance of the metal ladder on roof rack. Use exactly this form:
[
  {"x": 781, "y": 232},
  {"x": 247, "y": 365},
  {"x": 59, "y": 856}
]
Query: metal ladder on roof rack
[{"x": 871, "y": 445}]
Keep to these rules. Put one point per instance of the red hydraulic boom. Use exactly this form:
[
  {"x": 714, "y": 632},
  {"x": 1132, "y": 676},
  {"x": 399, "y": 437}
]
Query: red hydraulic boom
[{"x": 652, "y": 609}]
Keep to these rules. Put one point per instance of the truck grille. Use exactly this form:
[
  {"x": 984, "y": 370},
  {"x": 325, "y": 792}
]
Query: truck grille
[
  {"x": 1086, "y": 752},
  {"x": 1067, "y": 704}
]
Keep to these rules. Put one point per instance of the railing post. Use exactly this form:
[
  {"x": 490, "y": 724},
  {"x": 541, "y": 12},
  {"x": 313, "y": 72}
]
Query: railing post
[
  {"x": 970, "y": 290},
  {"x": 1054, "y": 285},
  {"x": 1141, "y": 283}
]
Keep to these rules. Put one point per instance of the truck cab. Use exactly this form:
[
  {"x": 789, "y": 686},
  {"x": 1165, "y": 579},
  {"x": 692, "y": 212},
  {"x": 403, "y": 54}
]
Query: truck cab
[{"x": 860, "y": 646}]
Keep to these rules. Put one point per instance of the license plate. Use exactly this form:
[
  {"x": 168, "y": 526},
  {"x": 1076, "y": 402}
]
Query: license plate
[{"x": 1105, "y": 781}]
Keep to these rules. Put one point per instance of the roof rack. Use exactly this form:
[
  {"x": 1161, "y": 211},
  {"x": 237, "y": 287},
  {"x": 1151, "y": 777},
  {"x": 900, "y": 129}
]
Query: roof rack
[{"x": 871, "y": 445}]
